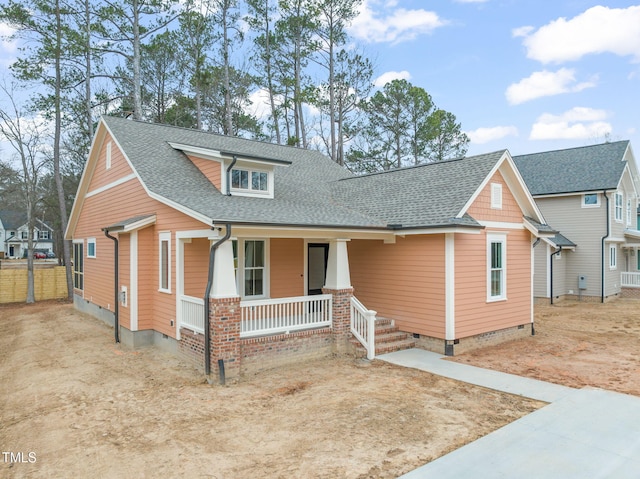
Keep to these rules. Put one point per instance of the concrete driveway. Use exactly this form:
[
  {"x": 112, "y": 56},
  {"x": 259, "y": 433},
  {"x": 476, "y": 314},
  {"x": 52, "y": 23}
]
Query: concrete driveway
[{"x": 582, "y": 433}]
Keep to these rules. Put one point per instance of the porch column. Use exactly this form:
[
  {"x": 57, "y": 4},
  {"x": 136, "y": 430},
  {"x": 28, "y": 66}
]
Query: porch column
[
  {"x": 338, "y": 284},
  {"x": 224, "y": 314}
]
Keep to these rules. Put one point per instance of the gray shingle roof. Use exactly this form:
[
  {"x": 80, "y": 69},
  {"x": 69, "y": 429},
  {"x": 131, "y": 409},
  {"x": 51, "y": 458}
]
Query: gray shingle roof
[
  {"x": 312, "y": 191},
  {"x": 425, "y": 195},
  {"x": 561, "y": 240},
  {"x": 588, "y": 168},
  {"x": 12, "y": 220}
]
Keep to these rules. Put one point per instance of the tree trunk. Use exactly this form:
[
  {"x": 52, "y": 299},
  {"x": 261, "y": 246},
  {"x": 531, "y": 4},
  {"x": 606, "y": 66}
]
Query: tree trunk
[
  {"x": 137, "y": 82},
  {"x": 56, "y": 150}
]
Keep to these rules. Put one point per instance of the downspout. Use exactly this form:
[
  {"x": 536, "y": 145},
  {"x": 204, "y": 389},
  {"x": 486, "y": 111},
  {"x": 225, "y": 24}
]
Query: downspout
[
  {"x": 551, "y": 271},
  {"x": 207, "y": 308},
  {"x": 233, "y": 162},
  {"x": 116, "y": 322},
  {"x": 602, "y": 261}
]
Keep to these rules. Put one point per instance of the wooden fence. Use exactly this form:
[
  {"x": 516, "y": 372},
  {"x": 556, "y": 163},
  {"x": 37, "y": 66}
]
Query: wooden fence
[{"x": 49, "y": 283}]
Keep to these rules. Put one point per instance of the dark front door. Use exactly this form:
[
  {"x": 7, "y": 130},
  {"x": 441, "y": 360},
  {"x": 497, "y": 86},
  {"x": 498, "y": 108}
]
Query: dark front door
[{"x": 317, "y": 254}]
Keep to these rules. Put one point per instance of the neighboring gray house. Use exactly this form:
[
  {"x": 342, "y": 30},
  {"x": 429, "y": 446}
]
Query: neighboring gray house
[
  {"x": 590, "y": 195},
  {"x": 14, "y": 235}
]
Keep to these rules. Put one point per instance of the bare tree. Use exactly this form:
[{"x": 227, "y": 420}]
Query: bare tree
[{"x": 24, "y": 136}]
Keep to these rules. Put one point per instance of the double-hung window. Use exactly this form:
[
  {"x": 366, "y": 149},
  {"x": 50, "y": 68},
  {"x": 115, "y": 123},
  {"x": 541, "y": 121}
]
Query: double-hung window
[
  {"x": 617, "y": 201},
  {"x": 250, "y": 260},
  {"x": 496, "y": 267},
  {"x": 164, "y": 263}
]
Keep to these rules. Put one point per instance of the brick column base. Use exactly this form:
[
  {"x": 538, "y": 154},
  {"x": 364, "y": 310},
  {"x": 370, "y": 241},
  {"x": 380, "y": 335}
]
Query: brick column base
[
  {"x": 224, "y": 326},
  {"x": 341, "y": 325}
]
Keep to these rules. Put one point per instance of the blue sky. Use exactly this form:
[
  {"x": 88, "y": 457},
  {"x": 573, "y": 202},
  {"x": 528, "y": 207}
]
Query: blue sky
[
  {"x": 524, "y": 75},
  {"x": 527, "y": 75}
]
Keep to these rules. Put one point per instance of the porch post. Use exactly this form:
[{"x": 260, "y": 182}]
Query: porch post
[
  {"x": 224, "y": 313},
  {"x": 338, "y": 284}
]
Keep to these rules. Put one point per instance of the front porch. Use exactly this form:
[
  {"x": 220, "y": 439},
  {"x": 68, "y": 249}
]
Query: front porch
[{"x": 244, "y": 328}]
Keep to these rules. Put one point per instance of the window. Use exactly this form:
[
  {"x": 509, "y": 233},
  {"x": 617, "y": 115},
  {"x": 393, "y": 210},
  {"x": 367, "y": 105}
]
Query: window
[
  {"x": 164, "y": 266},
  {"x": 78, "y": 265},
  {"x": 613, "y": 257},
  {"x": 250, "y": 260},
  {"x": 24, "y": 235},
  {"x": 249, "y": 180},
  {"x": 496, "y": 267},
  {"x": 44, "y": 235},
  {"x": 590, "y": 200},
  {"x": 253, "y": 268},
  {"x": 628, "y": 212},
  {"x": 617, "y": 201},
  {"x": 496, "y": 196},
  {"x": 91, "y": 248}
]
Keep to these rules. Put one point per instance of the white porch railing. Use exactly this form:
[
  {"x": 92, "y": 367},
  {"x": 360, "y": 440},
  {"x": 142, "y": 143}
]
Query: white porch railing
[
  {"x": 630, "y": 280},
  {"x": 192, "y": 313},
  {"x": 363, "y": 326},
  {"x": 283, "y": 315}
]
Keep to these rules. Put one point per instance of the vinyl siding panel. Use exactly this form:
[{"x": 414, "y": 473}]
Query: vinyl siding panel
[
  {"x": 481, "y": 208},
  {"x": 124, "y": 272},
  {"x": 196, "y": 267},
  {"x": 210, "y": 168},
  {"x": 541, "y": 261},
  {"x": 286, "y": 267},
  {"x": 147, "y": 277},
  {"x": 119, "y": 167},
  {"x": 585, "y": 227},
  {"x": 156, "y": 309},
  {"x": 473, "y": 313},
  {"x": 403, "y": 281}
]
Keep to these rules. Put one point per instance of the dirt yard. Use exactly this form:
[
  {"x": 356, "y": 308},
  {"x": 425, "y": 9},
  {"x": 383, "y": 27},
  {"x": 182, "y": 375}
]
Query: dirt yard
[
  {"x": 74, "y": 404},
  {"x": 576, "y": 344}
]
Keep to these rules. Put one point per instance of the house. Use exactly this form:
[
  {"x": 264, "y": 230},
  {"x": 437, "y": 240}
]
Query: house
[
  {"x": 14, "y": 235},
  {"x": 590, "y": 195},
  {"x": 242, "y": 254}
]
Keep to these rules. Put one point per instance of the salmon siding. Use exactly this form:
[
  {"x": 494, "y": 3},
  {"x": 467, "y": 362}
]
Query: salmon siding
[{"x": 415, "y": 244}]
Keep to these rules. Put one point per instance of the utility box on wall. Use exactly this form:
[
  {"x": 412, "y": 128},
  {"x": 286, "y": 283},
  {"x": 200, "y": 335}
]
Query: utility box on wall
[{"x": 582, "y": 282}]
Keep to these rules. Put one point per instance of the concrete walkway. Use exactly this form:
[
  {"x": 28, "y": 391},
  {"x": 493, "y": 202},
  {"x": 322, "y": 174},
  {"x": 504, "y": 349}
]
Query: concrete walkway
[{"x": 582, "y": 433}]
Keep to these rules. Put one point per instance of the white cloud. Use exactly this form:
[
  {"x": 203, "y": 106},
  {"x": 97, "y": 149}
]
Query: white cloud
[
  {"x": 471, "y": 1},
  {"x": 522, "y": 31},
  {"x": 380, "y": 22},
  {"x": 597, "y": 30},
  {"x": 386, "y": 77},
  {"x": 485, "y": 135},
  {"x": 546, "y": 83},
  {"x": 576, "y": 124}
]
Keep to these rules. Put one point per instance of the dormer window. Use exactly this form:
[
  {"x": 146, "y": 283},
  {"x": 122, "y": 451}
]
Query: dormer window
[{"x": 249, "y": 180}]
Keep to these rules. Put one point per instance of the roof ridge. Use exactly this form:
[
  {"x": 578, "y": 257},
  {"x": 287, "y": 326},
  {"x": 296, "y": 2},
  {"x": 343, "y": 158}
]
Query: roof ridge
[
  {"x": 573, "y": 148},
  {"x": 212, "y": 133},
  {"x": 422, "y": 165}
]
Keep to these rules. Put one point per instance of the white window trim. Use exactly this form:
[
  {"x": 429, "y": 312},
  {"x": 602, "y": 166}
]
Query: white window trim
[
  {"x": 73, "y": 268},
  {"x": 597, "y": 203},
  {"x": 496, "y": 196},
  {"x": 95, "y": 251},
  {"x": 248, "y": 191},
  {"x": 617, "y": 211},
  {"x": 266, "y": 279},
  {"x": 162, "y": 237},
  {"x": 497, "y": 238},
  {"x": 613, "y": 257}
]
